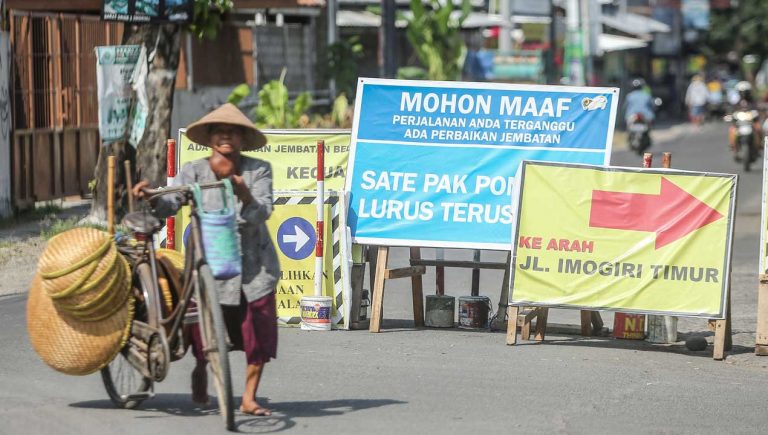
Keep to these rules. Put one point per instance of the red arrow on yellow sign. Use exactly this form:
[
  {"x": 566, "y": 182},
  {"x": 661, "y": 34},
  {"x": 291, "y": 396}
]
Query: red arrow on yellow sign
[{"x": 672, "y": 214}]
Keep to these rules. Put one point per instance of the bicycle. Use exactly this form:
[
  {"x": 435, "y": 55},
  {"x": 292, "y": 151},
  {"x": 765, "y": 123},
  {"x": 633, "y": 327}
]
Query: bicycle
[{"x": 157, "y": 339}]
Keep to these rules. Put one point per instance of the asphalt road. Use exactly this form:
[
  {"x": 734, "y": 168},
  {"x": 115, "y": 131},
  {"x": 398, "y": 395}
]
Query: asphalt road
[{"x": 446, "y": 381}]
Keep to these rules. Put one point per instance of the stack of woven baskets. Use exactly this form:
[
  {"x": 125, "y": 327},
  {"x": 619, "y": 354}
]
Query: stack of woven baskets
[{"x": 80, "y": 303}]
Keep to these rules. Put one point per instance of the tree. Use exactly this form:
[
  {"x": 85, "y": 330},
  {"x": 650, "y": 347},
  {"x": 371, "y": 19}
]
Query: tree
[
  {"x": 436, "y": 37},
  {"x": 740, "y": 29},
  {"x": 149, "y": 158}
]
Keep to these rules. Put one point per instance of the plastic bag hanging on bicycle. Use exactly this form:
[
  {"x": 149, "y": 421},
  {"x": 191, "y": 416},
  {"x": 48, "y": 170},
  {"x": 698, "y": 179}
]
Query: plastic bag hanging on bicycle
[{"x": 219, "y": 231}]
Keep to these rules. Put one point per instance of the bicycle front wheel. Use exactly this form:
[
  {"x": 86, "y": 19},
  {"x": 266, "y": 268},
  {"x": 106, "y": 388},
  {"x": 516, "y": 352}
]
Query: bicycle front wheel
[
  {"x": 215, "y": 347},
  {"x": 125, "y": 385}
]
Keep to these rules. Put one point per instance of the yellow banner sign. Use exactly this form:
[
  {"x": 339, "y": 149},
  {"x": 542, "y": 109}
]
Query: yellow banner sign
[
  {"x": 633, "y": 240},
  {"x": 293, "y": 156},
  {"x": 292, "y": 229}
]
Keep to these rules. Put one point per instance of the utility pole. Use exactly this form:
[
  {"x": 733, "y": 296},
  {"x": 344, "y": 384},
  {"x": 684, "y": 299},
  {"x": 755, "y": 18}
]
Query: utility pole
[
  {"x": 387, "y": 39},
  {"x": 590, "y": 29},
  {"x": 574, "y": 54},
  {"x": 552, "y": 76},
  {"x": 332, "y": 37},
  {"x": 505, "y": 41}
]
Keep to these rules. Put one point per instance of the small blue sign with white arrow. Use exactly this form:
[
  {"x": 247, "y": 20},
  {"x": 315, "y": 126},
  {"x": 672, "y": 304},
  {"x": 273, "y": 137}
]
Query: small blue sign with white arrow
[{"x": 296, "y": 238}]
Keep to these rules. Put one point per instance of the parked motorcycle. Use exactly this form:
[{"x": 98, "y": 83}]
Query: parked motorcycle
[{"x": 743, "y": 122}]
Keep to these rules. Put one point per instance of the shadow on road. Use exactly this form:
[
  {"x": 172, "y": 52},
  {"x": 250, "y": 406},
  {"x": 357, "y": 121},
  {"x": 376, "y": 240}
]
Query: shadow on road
[
  {"x": 281, "y": 419},
  {"x": 638, "y": 345},
  {"x": 173, "y": 404},
  {"x": 284, "y": 412}
]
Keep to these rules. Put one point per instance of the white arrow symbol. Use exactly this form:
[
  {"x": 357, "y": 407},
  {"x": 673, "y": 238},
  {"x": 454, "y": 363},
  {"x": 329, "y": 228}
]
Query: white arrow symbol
[{"x": 300, "y": 238}]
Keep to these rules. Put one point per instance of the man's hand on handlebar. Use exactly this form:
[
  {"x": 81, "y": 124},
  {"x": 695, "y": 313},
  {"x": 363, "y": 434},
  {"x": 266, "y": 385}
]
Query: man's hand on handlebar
[{"x": 138, "y": 189}]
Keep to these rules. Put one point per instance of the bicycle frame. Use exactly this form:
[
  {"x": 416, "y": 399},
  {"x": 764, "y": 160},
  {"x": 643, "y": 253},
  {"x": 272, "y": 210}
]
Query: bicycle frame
[{"x": 194, "y": 257}]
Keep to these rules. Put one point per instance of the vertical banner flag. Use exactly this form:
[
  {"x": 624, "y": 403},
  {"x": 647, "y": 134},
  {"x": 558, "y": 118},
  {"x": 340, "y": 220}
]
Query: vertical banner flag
[
  {"x": 114, "y": 68},
  {"x": 433, "y": 163},
  {"x": 626, "y": 239},
  {"x": 6, "y": 207}
]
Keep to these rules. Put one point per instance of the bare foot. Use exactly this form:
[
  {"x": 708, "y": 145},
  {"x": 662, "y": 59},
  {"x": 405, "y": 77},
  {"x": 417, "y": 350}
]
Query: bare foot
[{"x": 256, "y": 410}]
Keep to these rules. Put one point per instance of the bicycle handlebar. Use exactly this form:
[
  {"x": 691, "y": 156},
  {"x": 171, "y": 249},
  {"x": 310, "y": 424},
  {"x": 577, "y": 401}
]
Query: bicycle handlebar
[{"x": 154, "y": 193}]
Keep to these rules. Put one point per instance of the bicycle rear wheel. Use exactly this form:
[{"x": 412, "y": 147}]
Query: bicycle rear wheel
[
  {"x": 126, "y": 386},
  {"x": 215, "y": 347}
]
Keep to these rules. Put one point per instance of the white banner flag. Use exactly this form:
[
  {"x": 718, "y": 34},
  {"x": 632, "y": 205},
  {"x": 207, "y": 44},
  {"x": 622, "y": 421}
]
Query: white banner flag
[{"x": 114, "y": 68}]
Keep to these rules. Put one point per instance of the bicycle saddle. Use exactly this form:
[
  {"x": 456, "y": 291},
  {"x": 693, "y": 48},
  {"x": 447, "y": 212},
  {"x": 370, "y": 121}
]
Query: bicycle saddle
[{"x": 141, "y": 222}]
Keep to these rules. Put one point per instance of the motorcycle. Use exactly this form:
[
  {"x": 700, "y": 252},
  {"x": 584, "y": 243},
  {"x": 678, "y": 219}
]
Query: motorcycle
[
  {"x": 639, "y": 129},
  {"x": 639, "y": 133},
  {"x": 744, "y": 150}
]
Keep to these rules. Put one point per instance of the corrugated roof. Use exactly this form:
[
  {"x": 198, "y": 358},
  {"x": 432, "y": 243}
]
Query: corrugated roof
[{"x": 634, "y": 24}]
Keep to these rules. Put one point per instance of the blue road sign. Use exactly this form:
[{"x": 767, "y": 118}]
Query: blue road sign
[
  {"x": 296, "y": 238},
  {"x": 434, "y": 163}
]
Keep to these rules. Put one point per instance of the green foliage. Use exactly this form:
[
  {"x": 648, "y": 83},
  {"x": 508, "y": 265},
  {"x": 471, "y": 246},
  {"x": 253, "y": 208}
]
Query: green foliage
[
  {"x": 342, "y": 63},
  {"x": 741, "y": 29},
  {"x": 340, "y": 116},
  {"x": 238, "y": 94},
  {"x": 206, "y": 20},
  {"x": 45, "y": 211},
  {"x": 412, "y": 73},
  {"x": 274, "y": 109},
  {"x": 436, "y": 37},
  {"x": 57, "y": 226},
  {"x": 341, "y": 111}
]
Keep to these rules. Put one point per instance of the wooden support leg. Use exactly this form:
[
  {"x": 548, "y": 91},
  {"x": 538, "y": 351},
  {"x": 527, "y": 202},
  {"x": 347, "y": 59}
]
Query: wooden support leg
[
  {"x": 525, "y": 329},
  {"x": 498, "y": 323},
  {"x": 586, "y": 323},
  {"x": 728, "y": 334},
  {"x": 597, "y": 323},
  {"x": 377, "y": 305},
  {"x": 512, "y": 325},
  {"x": 525, "y": 317},
  {"x": 541, "y": 324},
  {"x": 719, "y": 346},
  {"x": 723, "y": 341},
  {"x": 761, "y": 335},
  {"x": 418, "y": 294}
]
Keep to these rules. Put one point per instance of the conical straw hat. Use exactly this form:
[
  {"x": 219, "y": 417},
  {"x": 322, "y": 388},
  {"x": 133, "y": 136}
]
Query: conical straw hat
[
  {"x": 228, "y": 113},
  {"x": 70, "y": 345},
  {"x": 68, "y": 290},
  {"x": 103, "y": 297},
  {"x": 69, "y": 251}
]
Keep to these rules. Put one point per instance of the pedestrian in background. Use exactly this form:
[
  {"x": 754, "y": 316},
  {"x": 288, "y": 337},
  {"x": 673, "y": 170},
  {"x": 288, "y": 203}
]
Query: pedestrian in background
[{"x": 696, "y": 100}]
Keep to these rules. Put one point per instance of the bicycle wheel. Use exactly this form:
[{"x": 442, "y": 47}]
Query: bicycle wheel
[
  {"x": 214, "y": 334},
  {"x": 126, "y": 386}
]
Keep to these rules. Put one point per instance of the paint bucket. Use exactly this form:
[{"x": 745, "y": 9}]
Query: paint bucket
[
  {"x": 473, "y": 312},
  {"x": 439, "y": 311},
  {"x": 316, "y": 313},
  {"x": 662, "y": 329},
  {"x": 629, "y": 326}
]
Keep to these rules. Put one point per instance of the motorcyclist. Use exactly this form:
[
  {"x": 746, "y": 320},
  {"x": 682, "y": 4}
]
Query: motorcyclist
[
  {"x": 639, "y": 101},
  {"x": 745, "y": 103}
]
